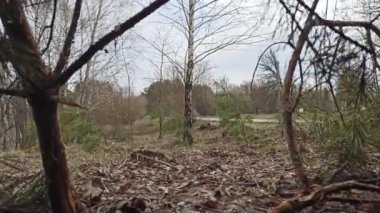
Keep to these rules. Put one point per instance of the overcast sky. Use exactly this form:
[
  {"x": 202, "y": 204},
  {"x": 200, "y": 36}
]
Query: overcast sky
[{"x": 235, "y": 63}]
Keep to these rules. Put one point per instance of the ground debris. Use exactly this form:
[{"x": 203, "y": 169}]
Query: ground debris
[
  {"x": 222, "y": 176},
  {"x": 207, "y": 126}
]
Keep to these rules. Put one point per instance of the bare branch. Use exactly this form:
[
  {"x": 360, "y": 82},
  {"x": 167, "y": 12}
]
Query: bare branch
[
  {"x": 51, "y": 26},
  {"x": 261, "y": 55},
  {"x": 65, "y": 53},
  {"x": 336, "y": 23},
  {"x": 105, "y": 40},
  {"x": 13, "y": 92}
]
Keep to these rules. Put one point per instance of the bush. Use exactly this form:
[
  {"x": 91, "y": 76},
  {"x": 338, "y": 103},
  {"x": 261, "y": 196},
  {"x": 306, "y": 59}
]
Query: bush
[
  {"x": 239, "y": 128},
  {"x": 349, "y": 140},
  {"x": 77, "y": 127},
  {"x": 173, "y": 124},
  {"x": 31, "y": 138},
  {"x": 232, "y": 105},
  {"x": 230, "y": 109}
]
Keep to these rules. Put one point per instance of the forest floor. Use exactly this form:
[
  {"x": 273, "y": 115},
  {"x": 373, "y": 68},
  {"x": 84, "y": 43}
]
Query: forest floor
[{"x": 217, "y": 174}]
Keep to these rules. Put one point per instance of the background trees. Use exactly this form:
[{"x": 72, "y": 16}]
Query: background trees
[{"x": 173, "y": 92}]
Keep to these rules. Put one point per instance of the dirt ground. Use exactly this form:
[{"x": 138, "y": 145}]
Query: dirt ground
[{"x": 218, "y": 174}]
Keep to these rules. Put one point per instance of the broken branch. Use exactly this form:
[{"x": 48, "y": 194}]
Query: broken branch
[{"x": 301, "y": 202}]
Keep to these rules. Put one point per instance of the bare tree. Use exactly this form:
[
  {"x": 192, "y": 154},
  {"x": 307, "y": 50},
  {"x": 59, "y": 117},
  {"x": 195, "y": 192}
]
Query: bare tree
[
  {"x": 130, "y": 99},
  {"x": 207, "y": 26},
  {"x": 41, "y": 86},
  {"x": 161, "y": 47},
  {"x": 270, "y": 67},
  {"x": 161, "y": 118}
]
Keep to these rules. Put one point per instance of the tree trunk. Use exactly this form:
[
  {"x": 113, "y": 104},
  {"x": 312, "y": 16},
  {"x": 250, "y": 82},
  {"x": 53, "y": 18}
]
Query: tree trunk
[
  {"x": 60, "y": 191},
  {"x": 161, "y": 118},
  {"x": 2, "y": 126},
  {"x": 160, "y": 125},
  {"x": 294, "y": 152},
  {"x": 188, "y": 120},
  {"x": 188, "y": 81},
  {"x": 21, "y": 119},
  {"x": 132, "y": 133},
  {"x": 286, "y": 105}
]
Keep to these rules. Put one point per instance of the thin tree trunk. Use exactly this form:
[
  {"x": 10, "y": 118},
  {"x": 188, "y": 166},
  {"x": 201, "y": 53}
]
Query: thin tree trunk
[
  {"x": 287, "y": 108},
  {"x": 131, "y": 117},
  {"x": 188, "y": 123},
  {"x": 2, "y": 126},
  {"x": 86, "y": 87},
  {"x": 131, "y": 130},
  {"x": 8, "y": 127},
  {"x": 21, "y": 119},
  {"x": 294, "y": 152},
  {"x": 161, "y": 118},
  {"x": 61, "y": 193},
  {"x": 375, "y": 63},
  {"x": 4, "y": 144},
  {"x": 188, "y": 120}
]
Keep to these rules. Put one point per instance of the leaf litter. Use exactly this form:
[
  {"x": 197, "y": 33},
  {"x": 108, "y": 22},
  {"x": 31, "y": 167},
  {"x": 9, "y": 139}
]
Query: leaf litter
[{"x": 218, "y": 175}]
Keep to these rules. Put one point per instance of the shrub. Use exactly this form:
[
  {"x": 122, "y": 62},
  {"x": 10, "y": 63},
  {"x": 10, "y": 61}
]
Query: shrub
[
  {"x": 351, "y": 138},
  {"x": 174, "y": 124},
  {"x": 77, "y": 127},
  {"x": 31, "y": 139},
  {"x": 230, "y": 109}
]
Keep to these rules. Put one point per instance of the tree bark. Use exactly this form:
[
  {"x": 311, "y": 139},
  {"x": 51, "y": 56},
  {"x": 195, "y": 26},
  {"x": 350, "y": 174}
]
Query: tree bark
[
  {"x": 188, "y": 78},
  {"x": 160, "y": 126},
  {"x": 161, "y": 118},
  {"x": 60, "y": 191},
  {"x": 294, "y": 152},
  {"x": 188, "y": 121}
]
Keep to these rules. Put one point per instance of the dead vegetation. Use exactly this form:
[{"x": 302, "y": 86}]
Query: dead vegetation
[{"x": 216, "y": 175}]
